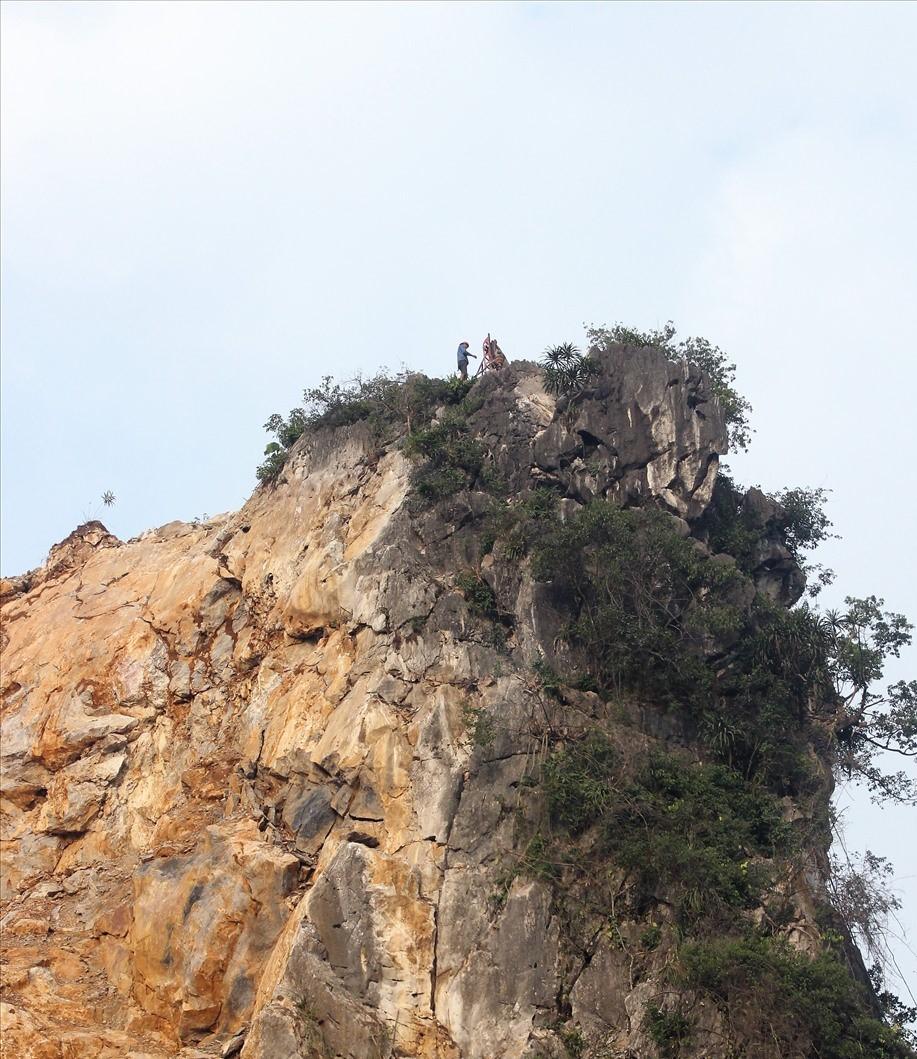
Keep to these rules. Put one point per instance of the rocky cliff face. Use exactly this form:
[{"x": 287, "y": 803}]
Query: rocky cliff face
[{"x": 271, "y": 773}]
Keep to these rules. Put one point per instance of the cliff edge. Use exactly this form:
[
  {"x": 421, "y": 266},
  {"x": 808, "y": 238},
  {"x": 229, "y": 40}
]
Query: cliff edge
[{"x": 343, "y": 774}]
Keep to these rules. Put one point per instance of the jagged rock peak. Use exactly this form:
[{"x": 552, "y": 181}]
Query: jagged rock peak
[{"x": 243, "y": 811}]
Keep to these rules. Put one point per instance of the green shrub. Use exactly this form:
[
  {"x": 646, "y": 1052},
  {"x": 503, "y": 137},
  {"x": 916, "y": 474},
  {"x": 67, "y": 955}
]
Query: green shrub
[
  {"x": 650, "y": 937},
  {"x": 270, "y": 469},
  {"x": 391, "y": 404},
  {"x": 447, "y": 444},
  {"x": 480, "y": 728},
  {"x": 519, "y": 523},
  {"x": 669, "y": 1030},
  {"x": 786, "y": 661},
  {"x": 757, "y": 722},
  {"x": 650, "y": 614},
  {"x": 725, "y": 527},
  {"x": 405, "y": 399},
  {"x": 574, "y": 1042},
  {"x": 641, "y": 598},
  {"x": 478, "y": 595},
  {"x": 548, "y": 681},
  {"x": 698, "y": 835},
  {"x": 449, "y": 458},
  {"x": 431, "y": 484},
  {"x": 799, "y": 1004},
  {"x": 577, "y": 782}
]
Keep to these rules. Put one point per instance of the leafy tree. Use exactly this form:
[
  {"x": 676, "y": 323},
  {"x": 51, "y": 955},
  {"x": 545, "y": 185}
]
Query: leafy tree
[
  {"x": 861, "y": 896},
  {"x": 804, "y": 523},
  {"x": 804, "y": 526},
  {"x": 733, "y": 525},
  {"x": 870, "y": 722},
  {"x": 901, "y": 1017}
]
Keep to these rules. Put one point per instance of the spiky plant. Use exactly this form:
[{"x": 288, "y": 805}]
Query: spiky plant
[{"x": 567, "y": 371}]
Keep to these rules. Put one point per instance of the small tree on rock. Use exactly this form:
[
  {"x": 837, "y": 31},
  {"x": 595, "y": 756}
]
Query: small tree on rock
[{"x": 567, "y": 371}]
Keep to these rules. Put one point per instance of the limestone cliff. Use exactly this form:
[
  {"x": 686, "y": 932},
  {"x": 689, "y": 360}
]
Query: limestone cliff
[{"x": 271, "y": 781}]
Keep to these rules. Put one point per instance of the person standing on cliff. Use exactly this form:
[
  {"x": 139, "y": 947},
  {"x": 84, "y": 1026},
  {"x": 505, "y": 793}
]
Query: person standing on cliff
[{"x": 463, "y": 356}]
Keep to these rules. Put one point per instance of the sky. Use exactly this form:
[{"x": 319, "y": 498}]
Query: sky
[{"x": 208, "y": 207}]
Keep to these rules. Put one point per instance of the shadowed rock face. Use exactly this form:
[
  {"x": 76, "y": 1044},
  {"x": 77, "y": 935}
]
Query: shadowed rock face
[{"x": 238, "y": 785}]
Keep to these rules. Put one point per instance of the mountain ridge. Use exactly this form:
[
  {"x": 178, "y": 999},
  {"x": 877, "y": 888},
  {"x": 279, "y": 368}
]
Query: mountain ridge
[{"x": 363, "y": 768}]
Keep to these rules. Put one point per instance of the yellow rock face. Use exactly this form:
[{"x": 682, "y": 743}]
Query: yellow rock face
[{"x": 163, "y": 700}]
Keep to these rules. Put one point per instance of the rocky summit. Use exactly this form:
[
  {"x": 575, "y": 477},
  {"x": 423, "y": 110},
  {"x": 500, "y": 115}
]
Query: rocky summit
[{"x": 343, "y": 774}]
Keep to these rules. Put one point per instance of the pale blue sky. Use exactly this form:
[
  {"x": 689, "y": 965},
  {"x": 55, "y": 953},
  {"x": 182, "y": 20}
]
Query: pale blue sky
[{"x": 206, "y": 207}]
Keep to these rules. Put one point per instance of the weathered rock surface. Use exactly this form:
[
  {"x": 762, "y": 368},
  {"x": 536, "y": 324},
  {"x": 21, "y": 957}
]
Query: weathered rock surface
[{"x": 240, "y": 799}]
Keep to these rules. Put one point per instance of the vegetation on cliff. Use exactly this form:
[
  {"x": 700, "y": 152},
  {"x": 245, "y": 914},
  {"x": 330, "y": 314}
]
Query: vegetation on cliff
[
  {"x": 712, "y": 360},
  {"x": 389, "y": 404},
  {"x": 703, "y": 844},
  {"x": 497, "y": 722},
  {"x": 715, "y": 846}
]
